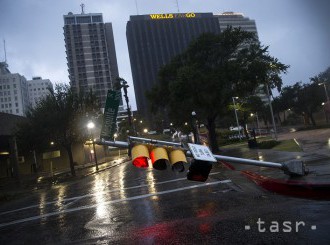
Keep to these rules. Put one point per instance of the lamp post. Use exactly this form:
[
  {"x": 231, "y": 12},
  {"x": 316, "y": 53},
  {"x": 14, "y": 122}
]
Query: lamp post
[
  {"x": 195, "y": 127},
  {"x": 257, "y": 118},
  {"x": 325, "y": 113},
  {"x": 258, "y": 125},
  {"x": 238, "y": 128},
  {"x": 91, "y": 126},
  {"x": 325, "y": 89},
  {"x": 271, "y": 111}
]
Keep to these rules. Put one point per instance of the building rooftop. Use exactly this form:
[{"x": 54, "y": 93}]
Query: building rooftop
[{"x": 4, "y": 68}]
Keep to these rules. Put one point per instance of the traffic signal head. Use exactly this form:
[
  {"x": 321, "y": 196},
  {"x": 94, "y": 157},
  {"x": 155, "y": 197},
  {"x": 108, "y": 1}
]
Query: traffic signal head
[
  {"x": 199, "y": 170},
  {"x": 159, "y": 157},
  {"x": 140, "y": 156},
  {"x": 178, "y": 159}
]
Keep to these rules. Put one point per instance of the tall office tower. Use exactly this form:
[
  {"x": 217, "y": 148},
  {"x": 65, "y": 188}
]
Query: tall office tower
[
  {"x": 236, "y": 20},
  {"x": 38, "y": 89},
  {"x": 14, "y": 97},
  {"x": 153, "y": 40},
  {"x": 91, "y": 55}
]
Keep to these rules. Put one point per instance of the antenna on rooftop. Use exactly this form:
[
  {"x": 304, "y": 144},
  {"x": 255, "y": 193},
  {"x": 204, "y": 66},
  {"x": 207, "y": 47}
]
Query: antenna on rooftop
[
  {"x": 4, "y": 47},
  {"x": 177, "y": 5},
  {"x": 136, "y": 5},
  {"x": 82, "y": 8}
]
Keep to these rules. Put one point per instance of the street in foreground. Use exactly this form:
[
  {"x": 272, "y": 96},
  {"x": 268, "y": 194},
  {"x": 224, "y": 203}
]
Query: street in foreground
[{"x": 126, "y": 205}]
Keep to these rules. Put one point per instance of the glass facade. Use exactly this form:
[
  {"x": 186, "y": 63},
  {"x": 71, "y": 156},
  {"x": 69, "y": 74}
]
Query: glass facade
[{"x": 153, "y": 40}]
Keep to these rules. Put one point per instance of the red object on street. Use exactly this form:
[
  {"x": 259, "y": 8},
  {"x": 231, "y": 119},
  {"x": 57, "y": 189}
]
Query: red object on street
[
  {"x": 295, "y": 188},
  {"x": 227, "y": 165}
]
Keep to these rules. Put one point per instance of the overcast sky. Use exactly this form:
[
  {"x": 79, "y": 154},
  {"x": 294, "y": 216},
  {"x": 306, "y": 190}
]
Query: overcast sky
[{"x": 297, "y": 31}]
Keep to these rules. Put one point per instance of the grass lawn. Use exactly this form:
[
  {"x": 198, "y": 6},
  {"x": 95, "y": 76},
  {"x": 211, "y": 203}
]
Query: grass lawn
[
  {"x": 284, "y": 145},
  {"x": 288, "y": 145}
]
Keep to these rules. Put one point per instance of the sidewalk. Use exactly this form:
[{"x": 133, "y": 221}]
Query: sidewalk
[
  {"x": 10, "y": 188},
  {"x": 315, "y": 155}
]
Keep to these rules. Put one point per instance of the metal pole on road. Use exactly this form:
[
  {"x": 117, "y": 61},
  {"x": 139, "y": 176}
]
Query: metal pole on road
[{"x": 291, "y": 167}]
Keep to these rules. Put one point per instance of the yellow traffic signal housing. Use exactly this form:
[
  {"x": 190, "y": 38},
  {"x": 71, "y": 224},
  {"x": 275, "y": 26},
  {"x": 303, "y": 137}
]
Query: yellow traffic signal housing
[
  {"x": 178, "y": 159},
  {"x": 159, "y": 157},
  {"x": 140, "y": 156}
]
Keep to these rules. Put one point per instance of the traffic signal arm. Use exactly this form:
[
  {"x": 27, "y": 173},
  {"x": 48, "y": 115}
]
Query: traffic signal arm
[{"x": 291, "y": 167}]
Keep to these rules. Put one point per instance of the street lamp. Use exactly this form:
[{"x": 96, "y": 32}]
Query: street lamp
[
  {"x": 195, "y": 127},
  {"x": 325, "y": 89},
  {"x": 325, "y": 113},
  {"x": 145, "y": 130},
  {"x": 91, "y": 126},
  {"x": 238, "y": 127},
  {"x": 256, "y": 115},
  {"x": 271, "y": 111}
]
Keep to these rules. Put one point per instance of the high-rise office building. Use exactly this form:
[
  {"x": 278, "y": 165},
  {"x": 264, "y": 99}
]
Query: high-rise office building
[
  {"x": 236, "y": 20},
  {"x": 38, "y": 89},
  {"x": 153, "y": 40},
  {"x": 91, "y": 55},
  {"x": 14, "y": 96}
]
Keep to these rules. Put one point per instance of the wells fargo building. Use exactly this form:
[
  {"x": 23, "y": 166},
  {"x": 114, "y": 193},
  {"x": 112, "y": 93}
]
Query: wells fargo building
[{"x": 153, "y": 40}]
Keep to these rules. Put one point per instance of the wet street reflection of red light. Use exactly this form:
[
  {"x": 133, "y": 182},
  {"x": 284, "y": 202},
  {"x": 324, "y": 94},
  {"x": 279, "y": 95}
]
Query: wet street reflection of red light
[
  {"x": 203, "y": 213},
  {"x": 161, "y": 231},
  {"x": 204, "y": 228}
]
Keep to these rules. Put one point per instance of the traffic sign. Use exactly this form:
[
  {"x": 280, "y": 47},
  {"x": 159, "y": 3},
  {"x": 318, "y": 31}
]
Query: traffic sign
[
  {"x": 201, "y": 152},
  {"x": 110, "y": 114}
]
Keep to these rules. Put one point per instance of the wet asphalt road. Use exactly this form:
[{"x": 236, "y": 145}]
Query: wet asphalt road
[{"x": 126, "y": 205}]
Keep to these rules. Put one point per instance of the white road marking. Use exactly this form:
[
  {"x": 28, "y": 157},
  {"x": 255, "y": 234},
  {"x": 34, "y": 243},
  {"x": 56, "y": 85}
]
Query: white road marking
[
  {"x": 93, "y": 194},
  {"x": 111, "y": 202}
]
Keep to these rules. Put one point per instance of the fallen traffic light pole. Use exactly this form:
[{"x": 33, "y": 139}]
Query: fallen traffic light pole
[{"x": 293, "y": 167}]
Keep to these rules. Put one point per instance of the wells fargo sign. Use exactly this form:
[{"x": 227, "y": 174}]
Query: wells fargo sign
[{"x": 172, "y": 16}]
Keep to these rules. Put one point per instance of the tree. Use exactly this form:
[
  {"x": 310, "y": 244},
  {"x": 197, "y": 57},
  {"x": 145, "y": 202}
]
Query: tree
[
  {"x": 60, "y": 117},
  {"x": 246, "y": 106},
  {"x": 209, "y": 73},
  {"x": 304, "y": 99}
]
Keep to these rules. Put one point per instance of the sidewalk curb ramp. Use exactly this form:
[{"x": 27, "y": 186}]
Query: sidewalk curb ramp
[{"x": 294, "y": 188}]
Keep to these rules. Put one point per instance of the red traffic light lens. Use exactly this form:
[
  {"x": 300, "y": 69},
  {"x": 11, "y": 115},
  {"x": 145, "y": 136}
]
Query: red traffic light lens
[{"x": 140, "y": 162}]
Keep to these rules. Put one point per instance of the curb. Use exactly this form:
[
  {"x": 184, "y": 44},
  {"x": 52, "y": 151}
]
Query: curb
[{"x": 293, "y": 188}]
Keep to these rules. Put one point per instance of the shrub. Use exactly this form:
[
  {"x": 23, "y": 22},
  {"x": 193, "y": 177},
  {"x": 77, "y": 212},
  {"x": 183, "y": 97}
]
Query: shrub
[{"x": 268, "y": 144}]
